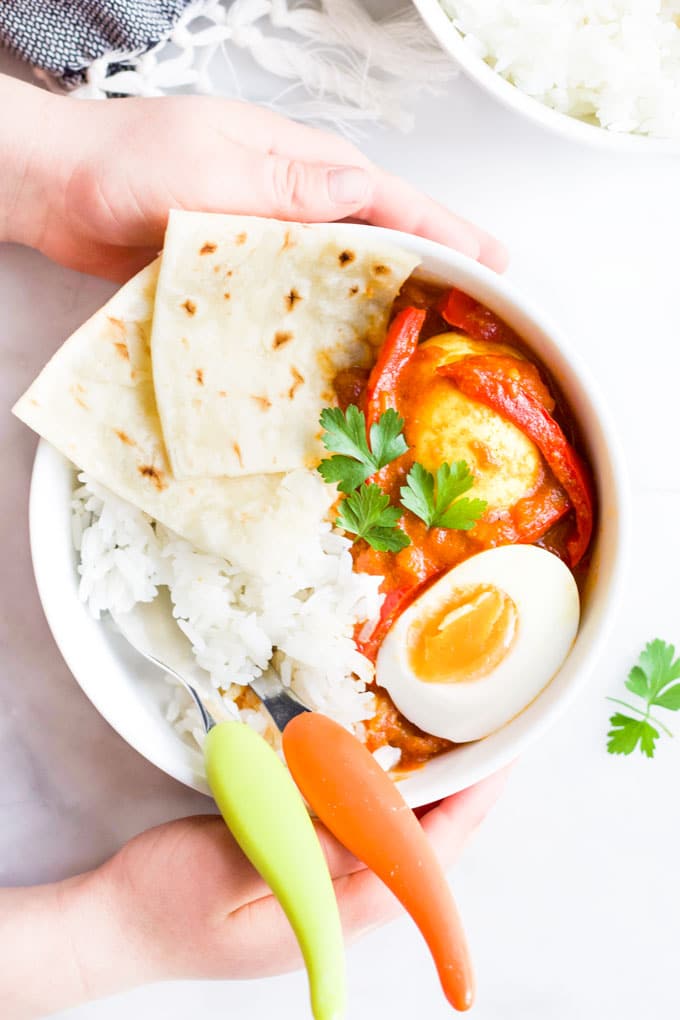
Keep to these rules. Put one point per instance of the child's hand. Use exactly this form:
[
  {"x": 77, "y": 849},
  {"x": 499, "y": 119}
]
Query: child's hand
[
  {"x": 181, "y": 901},
  {"x": 95, "y": 193}
]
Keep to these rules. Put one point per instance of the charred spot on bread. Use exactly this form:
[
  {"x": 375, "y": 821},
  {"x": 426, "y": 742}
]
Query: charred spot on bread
[
  {"x": 381, "y": 270},
  {"x": 288, "y": 242},
  {"x": 199, "y": 376},
  {"x": 189, "y": 307},
  {"x": 153, "y": 474},
  {"x": 292, "y": 298},
  {"x": 346, "y": 257},
  {"x": 298, "y": 380},
  {"x": 281, "y": 338},
  {"x": 118, "y": 324},
  {"x": 76, "y": 393},
  {"x": 264, "y": 403},
  {"x": 208, "y": 248},
  {"x": 353, "y": 290}
]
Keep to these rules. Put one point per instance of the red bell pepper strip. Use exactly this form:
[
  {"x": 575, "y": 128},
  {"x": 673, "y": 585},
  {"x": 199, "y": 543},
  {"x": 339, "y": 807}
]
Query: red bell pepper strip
[
  {"x": 394, "y": 604},
  {"x": 524, "y": 373},
  {"x": 484, "y": 379},
  {"x": 397, "y": 350},
  {"x": 534, "y": 515},
  {"x": 475, "y": 319}
]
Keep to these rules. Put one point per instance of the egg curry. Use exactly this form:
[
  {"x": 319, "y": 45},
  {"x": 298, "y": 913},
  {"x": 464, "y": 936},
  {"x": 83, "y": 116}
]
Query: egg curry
[{"x": 468, "y": 390}]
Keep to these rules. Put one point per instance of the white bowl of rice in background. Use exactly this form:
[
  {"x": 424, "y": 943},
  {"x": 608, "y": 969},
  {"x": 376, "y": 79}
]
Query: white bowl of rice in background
[
  {"x": 233, "y": 617},
  {"x": 600, "y": 72}
]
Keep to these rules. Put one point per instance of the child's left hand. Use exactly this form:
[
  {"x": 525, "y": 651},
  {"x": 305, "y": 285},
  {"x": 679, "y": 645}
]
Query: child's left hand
[
  {"x": 187, "y": 903},
  {"x": 95, "y": 185},
  {"x": 181, "y": 901}
]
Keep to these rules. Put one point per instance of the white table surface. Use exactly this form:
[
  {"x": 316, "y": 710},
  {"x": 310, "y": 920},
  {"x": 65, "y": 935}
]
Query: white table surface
[{"x": 570, "y": 891}]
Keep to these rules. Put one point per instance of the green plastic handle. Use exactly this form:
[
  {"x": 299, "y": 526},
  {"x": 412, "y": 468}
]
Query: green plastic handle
[{"x": 265, "y": 812}]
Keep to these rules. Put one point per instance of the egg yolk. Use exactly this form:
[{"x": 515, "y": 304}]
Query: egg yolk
[{"x": 466, "y": 638}]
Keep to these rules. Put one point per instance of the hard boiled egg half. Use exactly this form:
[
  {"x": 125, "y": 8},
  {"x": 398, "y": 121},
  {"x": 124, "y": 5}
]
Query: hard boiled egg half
[{"x": 481, "y": 644}]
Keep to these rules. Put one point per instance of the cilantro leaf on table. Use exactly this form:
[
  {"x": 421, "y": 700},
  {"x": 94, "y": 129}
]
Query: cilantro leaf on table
[
  {"x": 652, "y": 680},
  {"x": 345, "y": 436},
  {"x": 367, "y": 514},
  {"x": 436, "y": 499},
  {"x": 627, "y": 732}
]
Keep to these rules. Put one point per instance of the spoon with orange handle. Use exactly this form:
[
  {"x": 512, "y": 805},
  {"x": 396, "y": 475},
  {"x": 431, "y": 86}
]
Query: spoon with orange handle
[{"x": 363, "y": 808}]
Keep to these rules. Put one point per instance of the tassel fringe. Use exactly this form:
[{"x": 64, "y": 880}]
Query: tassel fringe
[{"x": 341, "y": 66}]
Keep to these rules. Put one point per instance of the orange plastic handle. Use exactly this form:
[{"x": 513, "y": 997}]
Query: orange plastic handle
[{"x": 363, "y": 808}]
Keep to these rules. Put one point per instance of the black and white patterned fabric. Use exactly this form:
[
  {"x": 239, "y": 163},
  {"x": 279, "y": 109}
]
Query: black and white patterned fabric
[{"x": 63, "y": 37}]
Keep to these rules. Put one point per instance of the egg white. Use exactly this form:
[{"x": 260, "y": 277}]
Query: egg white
[{"x": 547, "y": 600}]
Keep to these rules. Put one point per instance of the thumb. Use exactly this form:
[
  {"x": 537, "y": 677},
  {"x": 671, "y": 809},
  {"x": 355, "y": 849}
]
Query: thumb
[{"x": 294, "y": 190}]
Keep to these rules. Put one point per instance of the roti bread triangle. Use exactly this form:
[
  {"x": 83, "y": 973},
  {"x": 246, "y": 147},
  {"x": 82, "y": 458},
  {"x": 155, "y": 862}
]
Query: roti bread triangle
[
  {"x": 94, "y": 401},
  {"x": 253, "y": 320}
]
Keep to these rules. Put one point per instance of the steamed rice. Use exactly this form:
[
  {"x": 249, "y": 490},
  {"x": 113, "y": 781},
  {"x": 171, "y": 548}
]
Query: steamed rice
[
  {"x": 615, "y": 63},
  {"x": 301, "y": 618}
]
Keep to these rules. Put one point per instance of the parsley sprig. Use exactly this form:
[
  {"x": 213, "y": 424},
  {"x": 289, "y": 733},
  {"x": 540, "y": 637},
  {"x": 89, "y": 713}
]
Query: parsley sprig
[
  {"x": 651, "y": 680},
  {"x": 367, "y": 514},
  {"x": 345, "y": 435},
  {"x": 366, "y": 511},
  {"x": 436, "y": 499}
]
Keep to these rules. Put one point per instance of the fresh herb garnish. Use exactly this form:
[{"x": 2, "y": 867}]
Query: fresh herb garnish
[
  {"x": 650, "y": 680},
  {"x": 367, "y": 514},
  {"x": 345, "y": 436},
  {"x": 436, "y": 498}
]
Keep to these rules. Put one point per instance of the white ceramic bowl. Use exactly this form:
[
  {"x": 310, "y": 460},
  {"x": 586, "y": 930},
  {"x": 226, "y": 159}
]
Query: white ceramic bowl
[
  {"x": 572, "y": 128},
  {"x": 125, "y": 689}
]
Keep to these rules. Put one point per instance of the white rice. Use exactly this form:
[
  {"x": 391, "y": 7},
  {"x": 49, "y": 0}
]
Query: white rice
[
  {"x": 613, "y": 62},
  {"x": 301, "y": 619}
]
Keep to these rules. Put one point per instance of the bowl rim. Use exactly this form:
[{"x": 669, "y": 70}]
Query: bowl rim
[
  {"x": 453, "y": 41},
  {"x": 187, "y": 769}
]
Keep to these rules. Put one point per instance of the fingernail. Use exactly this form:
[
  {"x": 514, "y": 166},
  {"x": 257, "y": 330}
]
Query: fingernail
[{"x": 347, "y": 185}]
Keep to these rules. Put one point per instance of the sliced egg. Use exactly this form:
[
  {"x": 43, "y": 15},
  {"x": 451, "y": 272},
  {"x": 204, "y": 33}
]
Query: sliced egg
[
  {"x": 455, "y": 346},
  {"x": 481, "y": 644},
  {"x": 444, "y": 424}
]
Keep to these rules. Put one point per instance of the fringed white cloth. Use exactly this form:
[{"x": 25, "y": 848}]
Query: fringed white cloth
[{"x": 340, "y": 65}]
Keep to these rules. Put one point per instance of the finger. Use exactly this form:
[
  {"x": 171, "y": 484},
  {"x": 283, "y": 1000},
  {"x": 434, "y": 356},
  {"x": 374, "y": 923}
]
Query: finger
[
  {"x": 268, "y": 184},
  {"x": 264, "y": 938},
  {"x": 340, "y": 861},
  {"x": 364, "y": 901},
  {"x": 271, "y": 132},
  {"x": 450, "y": 825},
  {"x": 396, "y": 204},
  {"x": 290, "y": 189},
  {"x": 249, "y": 886}
]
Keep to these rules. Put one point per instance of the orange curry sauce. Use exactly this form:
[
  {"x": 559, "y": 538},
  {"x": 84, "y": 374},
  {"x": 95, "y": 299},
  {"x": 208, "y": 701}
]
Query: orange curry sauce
[{"x": 436, "y": 550}]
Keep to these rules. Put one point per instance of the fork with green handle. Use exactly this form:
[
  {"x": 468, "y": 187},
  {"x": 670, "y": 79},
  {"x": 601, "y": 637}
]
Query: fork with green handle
[
  {"x": 261, "y": 806},
  {"x": 346, "y": 788}
]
